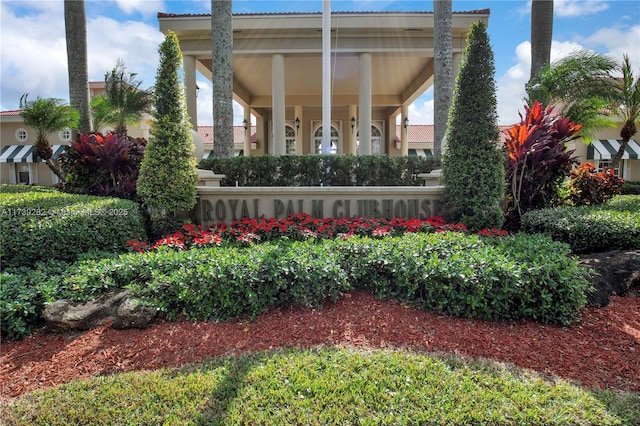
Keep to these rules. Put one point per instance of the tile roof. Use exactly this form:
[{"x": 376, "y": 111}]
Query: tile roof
[
  {"x": 196, "y": 15},
  {"x": 10, "y": 113},
  {"x": 206, "y": 133}
]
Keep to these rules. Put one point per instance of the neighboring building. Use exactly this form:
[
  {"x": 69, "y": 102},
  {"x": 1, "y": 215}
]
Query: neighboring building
[
  {"x": 381, "y": 62},
  {"x": 601, "y": 150},
  {"x": 17, "y": 162}
]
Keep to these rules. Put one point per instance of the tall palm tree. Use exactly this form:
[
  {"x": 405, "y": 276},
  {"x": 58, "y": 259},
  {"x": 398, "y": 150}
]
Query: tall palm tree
[
  {"x": 443, "y": 70},
  {"x": 579, "y": 85},
  {"x": 48, "y": 115},
  {"x": 125, "y": 97},
  {"x": 626, "y": 100},
  {"x": 541, "y": 34},
  {"x": 222, "y": 36},
  {"x": 75, "y": 24}
]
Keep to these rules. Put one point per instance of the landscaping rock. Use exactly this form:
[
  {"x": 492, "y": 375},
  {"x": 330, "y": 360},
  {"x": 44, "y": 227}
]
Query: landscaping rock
[
  {"x": 123, "y": 309},
  {"x": 132, "y": 313},
  {"x": 616, "y": 273}
]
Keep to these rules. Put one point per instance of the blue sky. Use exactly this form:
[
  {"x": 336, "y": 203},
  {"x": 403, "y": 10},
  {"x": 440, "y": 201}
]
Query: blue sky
[{"x": 33, "y": 51}]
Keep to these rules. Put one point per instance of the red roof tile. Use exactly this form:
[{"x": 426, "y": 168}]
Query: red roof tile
[{"x": 195, "y": 15}]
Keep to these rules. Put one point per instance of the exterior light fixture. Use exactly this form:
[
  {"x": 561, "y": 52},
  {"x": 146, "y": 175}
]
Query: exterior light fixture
[
  {"x": 353, "y": 123},
  {"x": 197, "y": 90},
  {"x": 297, "y": 124},
  {"x": 245, "y": 124},
  {"x": 406, "y": 122}
]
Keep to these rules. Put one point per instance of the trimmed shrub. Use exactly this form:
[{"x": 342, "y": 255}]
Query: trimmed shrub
[
  {"x": 514, "y": 277},
  {"x": 631, "y": 188},
  {"x": 473, "y": 171},
  {"x": 38, "y": 224},
  {"x": 615, "y": 225},
  {"x": 316, "y": 170},
  {"x": 168, "y": 174}
]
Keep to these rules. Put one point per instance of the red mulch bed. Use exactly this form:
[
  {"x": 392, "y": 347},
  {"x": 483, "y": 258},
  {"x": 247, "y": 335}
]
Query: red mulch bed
[{"x": 602, "y": 350}]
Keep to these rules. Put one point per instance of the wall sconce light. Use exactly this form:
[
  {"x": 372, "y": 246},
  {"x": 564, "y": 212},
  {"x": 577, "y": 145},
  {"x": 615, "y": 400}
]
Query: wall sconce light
[
  {"x": 353, "y": 123},
  {"x": 245, "y": 124},
  {"x": 297, "y": 124},
  {"x": 197, "y": 90},
  {"x": 406, "y": 122}
]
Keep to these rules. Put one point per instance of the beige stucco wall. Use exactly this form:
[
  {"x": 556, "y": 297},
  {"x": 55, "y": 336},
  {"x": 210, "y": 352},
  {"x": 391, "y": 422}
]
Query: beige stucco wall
[
  {"x": 40, "y": 172},
  {"x": 631, "y": 168},
  {"x": 227, "y": 204}
]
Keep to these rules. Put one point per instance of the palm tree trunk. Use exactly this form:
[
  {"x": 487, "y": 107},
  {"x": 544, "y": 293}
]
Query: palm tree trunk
[
  {"x": 443, "y": 71},
  {"x": 222, "y": 36},
  {"x": 76, "y": 34},
  {"x": 541, "y": 34},
  {"x": 628, "y": 130}
]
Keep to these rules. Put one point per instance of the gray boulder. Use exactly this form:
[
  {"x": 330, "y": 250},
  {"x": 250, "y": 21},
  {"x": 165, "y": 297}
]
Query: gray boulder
[{"x": 120, "y": 307}]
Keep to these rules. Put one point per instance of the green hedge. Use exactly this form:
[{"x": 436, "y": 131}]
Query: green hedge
[
  {"x": 521, "y": 276},
  {"x": 631, "y": 188},
  {"x": 39, "y": 223},
  {"x": 614, "y": 225},
  {"x": 316, "y": 170}
]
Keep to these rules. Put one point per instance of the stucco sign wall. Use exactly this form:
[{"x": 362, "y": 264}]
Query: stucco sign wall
[{"x": 227, "y": 204}]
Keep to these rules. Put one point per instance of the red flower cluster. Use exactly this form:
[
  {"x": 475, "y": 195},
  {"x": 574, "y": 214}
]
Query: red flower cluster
[{"x": 299, "y": 227}]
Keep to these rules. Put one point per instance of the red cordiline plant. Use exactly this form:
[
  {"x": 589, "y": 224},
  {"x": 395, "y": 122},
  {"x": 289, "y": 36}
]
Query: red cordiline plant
[
  {"x": 537, "y": 159},
  {"x": 104, "y": 165}
]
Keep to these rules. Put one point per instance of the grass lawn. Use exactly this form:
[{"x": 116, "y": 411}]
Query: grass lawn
[{"x": 326, "y": 386}]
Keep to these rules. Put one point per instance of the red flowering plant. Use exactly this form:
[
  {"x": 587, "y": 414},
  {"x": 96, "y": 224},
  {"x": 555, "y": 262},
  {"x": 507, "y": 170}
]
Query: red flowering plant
[{"x": 298, "y": 227}]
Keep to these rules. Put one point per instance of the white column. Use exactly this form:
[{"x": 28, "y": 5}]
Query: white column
[
  {"x": 404, "y": 143},
  {"x": 247, "y": 134},
  {"x": 353, "y": 147},
  {"x": 365, "y": 104},
  {"x": 326, "y": 76},
  {"x": 277, "y": 93},
  {"x": 189, "y": 70},
  {"x": 299, "y": 131}
]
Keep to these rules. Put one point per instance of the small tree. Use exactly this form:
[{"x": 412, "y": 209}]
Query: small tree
[
  {"x": 127, "y": 101},
  {"x": 48, "y": 115},
  {"x": 626, "y": 99},
  {"x": 168, "y": 173},
  {"x": 473, "y": 170}
]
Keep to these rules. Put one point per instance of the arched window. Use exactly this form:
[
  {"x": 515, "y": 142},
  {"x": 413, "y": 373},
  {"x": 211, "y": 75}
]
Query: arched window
[
  {"x": 376, "y": 139},
  {"x": 317, "y": 140},
  {"x": 290, "y": 140}
]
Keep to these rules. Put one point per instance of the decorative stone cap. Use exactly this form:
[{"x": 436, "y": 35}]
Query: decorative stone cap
[
  {"x": 208, "y": 178},
  {"x": 432, "y": 178}
]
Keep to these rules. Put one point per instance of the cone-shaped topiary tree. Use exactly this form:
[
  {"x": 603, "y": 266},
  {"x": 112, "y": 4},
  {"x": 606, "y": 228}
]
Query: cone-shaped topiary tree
[
  {"x": 168, "y": 173},
  {"x": 473, "y": 169}
]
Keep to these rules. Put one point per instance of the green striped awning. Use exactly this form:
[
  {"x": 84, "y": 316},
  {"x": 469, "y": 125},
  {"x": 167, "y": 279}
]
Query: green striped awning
[
  {"x": 17, "y": 154},
  {"x": 25, "y": 153},
  {"x": 605, "y": 149},
  {"x": 421, "y": 152}
]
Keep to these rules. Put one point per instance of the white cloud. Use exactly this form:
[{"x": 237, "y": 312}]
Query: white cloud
[
  {"x": 135, "y": 42},
  {"x": 573, "y": 8},
  {"x": 144, "y": 7},
  {"x": 616, "y": 42},
  {"x": 511, "y": 93},
  {"x": 33, "y": 54},
  {"x": 421, "y": 110}
]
